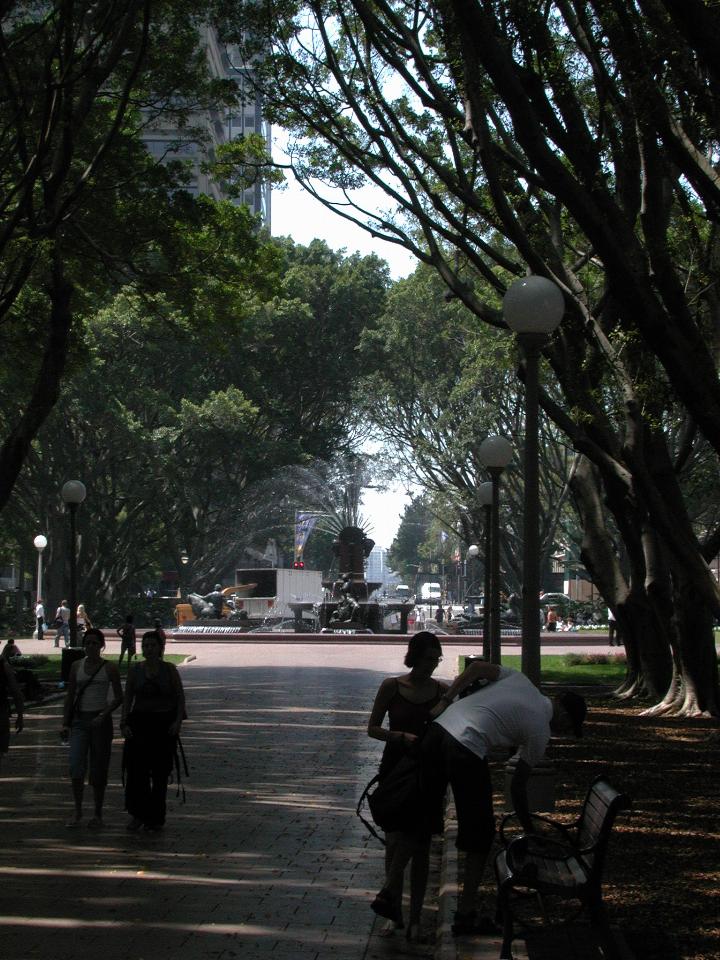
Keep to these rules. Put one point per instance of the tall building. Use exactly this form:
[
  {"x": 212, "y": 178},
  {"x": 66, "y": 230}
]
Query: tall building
[
  {"x": 377, "y": 569},
  {"x": 247, "y": 119},
  {"x": 165, "y": 141}
]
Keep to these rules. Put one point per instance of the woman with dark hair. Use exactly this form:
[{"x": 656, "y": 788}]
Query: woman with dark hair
[
  {"x": 407, "y": 701},
  {"x": 93, "y": 692},
  {"x": 153, "y": 711}
]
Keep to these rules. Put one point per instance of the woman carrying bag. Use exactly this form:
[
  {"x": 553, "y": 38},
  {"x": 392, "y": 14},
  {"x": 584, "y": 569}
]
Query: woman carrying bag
[
  {"x": 407, "y": 701},
  {"x": 87, "y": 721},
  {"x": 153, "y": 711}
]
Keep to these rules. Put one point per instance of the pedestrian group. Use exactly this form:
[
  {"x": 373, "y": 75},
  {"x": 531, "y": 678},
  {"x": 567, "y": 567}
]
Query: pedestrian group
[{"x": 449, "y": 733}]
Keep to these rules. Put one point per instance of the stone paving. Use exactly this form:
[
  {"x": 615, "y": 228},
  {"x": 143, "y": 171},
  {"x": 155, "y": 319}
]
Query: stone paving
[{"x": 265, "y": 860}]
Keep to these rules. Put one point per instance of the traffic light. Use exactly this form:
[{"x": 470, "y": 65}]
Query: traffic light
[{"x": 299, "y": 565}]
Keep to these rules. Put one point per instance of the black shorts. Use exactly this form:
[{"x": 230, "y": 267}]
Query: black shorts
[{"x": 445, "y": 761}]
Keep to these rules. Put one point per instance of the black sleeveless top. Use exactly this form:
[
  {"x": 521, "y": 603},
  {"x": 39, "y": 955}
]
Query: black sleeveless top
[
  {"x": 154, "y": 694},
  {"x": 410, "y": 717}
]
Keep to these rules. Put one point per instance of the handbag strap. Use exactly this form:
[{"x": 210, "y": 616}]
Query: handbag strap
[
  {"x": 84, "y": 687},
  {"x": 358, "y": 810}
]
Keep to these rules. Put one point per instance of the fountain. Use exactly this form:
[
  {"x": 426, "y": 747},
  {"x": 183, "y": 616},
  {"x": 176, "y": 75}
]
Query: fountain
[{"x": 351, "y": 610}]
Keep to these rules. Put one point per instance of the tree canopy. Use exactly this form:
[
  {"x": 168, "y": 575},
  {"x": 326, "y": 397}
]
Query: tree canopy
[
  {"x": 577, "y": 140},
  {"x": 83, "y": 204},
  {"x": 186, "y": 417}
]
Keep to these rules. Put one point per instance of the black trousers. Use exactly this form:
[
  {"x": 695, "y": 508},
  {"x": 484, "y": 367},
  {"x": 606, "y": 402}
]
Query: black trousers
[{"x": 148, "y": 760}]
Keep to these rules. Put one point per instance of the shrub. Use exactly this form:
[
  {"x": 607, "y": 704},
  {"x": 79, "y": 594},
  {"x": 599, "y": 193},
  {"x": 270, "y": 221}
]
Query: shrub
[
  {"x": 576, "y": 659},
  {"x": 31, "y": 661}
]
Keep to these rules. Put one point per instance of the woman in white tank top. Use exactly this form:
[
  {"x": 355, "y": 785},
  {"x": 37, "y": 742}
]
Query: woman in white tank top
[{"x": 94, "y": 691}]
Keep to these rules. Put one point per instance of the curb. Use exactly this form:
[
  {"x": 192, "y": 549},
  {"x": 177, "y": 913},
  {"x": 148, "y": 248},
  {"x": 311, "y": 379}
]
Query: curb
[{"x": 449, "y": 947}]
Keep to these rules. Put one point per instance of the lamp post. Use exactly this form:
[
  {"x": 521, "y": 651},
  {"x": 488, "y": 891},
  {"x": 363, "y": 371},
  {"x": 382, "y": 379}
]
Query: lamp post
[
  {"x": 73, "y": 494},
  {"x": 485, "y": 491},
  {"x": 495, "y": 454},
  {"x": 40, "y": 542},
  {"x": 472, "y": 555},
  {"x": 533, "y": 308}
]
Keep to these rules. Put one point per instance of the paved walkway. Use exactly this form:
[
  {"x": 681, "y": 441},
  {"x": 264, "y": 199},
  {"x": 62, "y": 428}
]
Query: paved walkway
[{"x": 265, "y": 860}]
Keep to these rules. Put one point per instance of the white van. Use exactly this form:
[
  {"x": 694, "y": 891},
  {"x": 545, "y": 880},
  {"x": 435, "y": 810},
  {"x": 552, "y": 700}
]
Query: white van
[
  {"x": 402, "y": 590},
  {"x": 431, "y": 592}
]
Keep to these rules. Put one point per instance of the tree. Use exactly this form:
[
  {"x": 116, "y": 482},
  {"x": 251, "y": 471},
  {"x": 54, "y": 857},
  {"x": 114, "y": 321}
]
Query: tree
[
  {"x": 565, "y": 138},
  {"x": 182, "y": 455},
  {"x": 404, "y": 552},
  {"x": 441, "y": 385},
  {"x": 79, "y": 81}
]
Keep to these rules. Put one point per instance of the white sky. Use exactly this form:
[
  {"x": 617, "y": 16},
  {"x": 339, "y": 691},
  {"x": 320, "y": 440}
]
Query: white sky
[{"x": 298, "y": 215}]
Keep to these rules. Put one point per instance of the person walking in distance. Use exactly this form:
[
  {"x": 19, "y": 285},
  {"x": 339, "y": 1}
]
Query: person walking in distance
[
  {"x": 153, "y": 712},
  {"x": 83, "y": 620},
  {"x": 40, "y": 617},
  {"x": 94, "y": 691},
  {"x": 62, "y": 622},
  {"x": 128, "y": 643}
]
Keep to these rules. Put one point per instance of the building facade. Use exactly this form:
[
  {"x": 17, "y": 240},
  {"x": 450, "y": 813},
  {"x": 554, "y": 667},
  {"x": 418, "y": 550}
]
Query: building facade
[{"x": 166, "y": 142}]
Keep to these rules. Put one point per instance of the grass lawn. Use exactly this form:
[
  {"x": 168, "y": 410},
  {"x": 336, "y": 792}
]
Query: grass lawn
[
  {"x": 557, "y": 669},
  {"x": 48, "y": 671}
]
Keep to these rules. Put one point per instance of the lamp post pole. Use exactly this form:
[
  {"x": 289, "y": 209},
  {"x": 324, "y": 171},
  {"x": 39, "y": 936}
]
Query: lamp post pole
[
  {"x": 184, "y": 560},
  {"x": 472, "y": 555},
  {"x": 73, "y": 494},
  {"x": 486, "y": 496},
  {"x": 533, "y": 308},
  {"x": 40, "y": 542},
  {"x": 495, "y": 453}
]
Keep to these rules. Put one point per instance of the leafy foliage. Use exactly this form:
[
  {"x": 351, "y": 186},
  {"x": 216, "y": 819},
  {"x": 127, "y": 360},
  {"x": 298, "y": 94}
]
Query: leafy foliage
[{"x": 184, "y": 418}]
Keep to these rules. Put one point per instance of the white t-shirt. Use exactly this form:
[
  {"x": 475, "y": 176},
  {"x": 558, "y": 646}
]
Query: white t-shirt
[
  {"x": 95, "y": 688},
  {"x": 509, "y": 713},
  {"x": 39, "y": 612}
]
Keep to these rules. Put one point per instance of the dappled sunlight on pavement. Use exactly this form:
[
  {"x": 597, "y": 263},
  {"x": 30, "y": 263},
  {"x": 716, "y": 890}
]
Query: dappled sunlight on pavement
[{"x": 266, "y": 858}]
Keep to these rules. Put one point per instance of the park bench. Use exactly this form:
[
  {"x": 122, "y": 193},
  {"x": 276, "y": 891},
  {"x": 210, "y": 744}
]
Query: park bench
[{"x": 562, "y": 861}]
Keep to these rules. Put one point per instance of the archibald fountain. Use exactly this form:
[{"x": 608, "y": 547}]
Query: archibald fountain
[{"x": 351, "y": 607}]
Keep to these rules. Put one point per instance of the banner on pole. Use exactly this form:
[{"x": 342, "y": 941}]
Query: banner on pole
[{"x": 304, "y": 523}]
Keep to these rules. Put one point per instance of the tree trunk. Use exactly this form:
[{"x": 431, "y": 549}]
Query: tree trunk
[
  {"x": 691, "y": 609},
  {"x": 46, "y": 388},
  {"x": 694, "y": 690},
  {"x": 646, "y": 642}
]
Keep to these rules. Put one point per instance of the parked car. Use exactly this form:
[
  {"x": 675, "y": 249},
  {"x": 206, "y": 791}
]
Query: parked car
[{"x": 559, "y": 600}]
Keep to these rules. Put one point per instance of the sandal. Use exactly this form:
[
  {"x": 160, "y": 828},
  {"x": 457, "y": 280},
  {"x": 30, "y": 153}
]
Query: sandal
[
  {"x": 470, "y": 925},
  {"x": 386, "y": 905}
]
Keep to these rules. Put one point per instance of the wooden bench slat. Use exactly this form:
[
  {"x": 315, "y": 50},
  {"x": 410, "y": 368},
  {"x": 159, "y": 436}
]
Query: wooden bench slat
[{"x": 570, "y": 870}]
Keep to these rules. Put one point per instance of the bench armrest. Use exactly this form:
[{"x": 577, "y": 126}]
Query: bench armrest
[
  {"x": 525, "y": 854},
  {"x": 564, "y": 832}
]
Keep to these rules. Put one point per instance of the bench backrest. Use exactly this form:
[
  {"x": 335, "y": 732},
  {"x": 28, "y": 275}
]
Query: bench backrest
[{"x": 602, "y": 804}]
